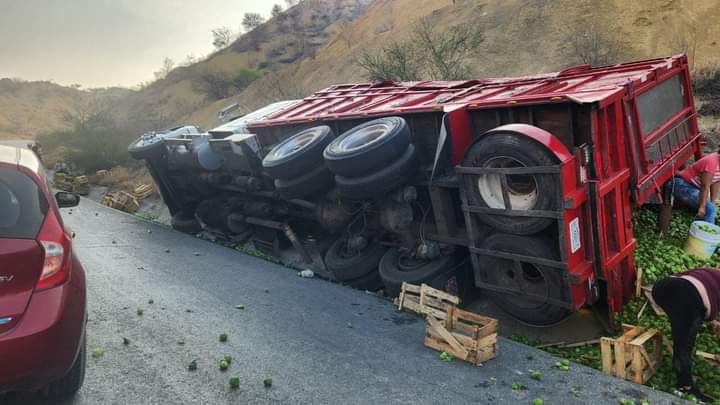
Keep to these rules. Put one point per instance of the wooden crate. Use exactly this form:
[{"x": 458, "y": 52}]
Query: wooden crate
[
  {"x": 143, "y": 191},
  {"x": 425, "y": 300},
  {"x": 634, "y": 356},
  {"x": 465, "y": 335}
]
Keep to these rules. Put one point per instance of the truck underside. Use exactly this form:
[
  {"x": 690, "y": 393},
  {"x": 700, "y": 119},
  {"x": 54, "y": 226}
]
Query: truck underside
[{"x": 522, "y": 187}]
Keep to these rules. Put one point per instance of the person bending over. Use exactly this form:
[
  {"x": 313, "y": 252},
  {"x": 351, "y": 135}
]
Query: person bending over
[{"x": 688, "y": 299}]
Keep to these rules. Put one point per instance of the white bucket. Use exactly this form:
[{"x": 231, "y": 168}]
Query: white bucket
[{"x": 702, "y": 242}]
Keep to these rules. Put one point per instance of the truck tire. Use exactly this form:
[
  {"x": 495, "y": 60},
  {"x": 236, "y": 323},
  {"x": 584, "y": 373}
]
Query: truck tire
[
  {"x": 368, "y": 282},
  {"x": 347, "y": 266},
  {"x": 298, "y": 154},
  {"x": 396, "y": 269},
  {"x": 540, "y": 280},
  {"x": 382, "y": 180},
  {"x": 71, "y": 382},
  {"x": 185, "y": 221},
  {"x": 214, "y": 213},
  {"x": 146, "y": 147},
  {"x": 526, "y": 192},
  {"x": 366, "y": 147},
  {"x": 312, "y": 182}
]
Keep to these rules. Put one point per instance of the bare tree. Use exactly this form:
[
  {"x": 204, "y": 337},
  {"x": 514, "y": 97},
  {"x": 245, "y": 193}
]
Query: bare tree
[
  {"x": 396, "y": 61},
  {"x": 447, "y": 52},
  {"x": 251, "y": 21},
  {"x": 427, "y": 54},
  {"x": 276, "y": 10},
  {"x": 215, "y": 84},
  {"x": 595, "y": 42},
  {"x": 167, "y": 67},
  {"x": 222, "y": 37}
]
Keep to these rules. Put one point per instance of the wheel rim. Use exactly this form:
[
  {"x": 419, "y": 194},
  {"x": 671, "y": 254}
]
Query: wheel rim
[
  {"x": 363, "y": 136},
  {"x": 294, "y": 144},
  {"x": 522, "y": 189},
  {"x": 527, "y": 278}
]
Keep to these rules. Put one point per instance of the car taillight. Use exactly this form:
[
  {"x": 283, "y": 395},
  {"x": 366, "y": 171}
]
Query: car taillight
[{"x": 56, "y": 263}]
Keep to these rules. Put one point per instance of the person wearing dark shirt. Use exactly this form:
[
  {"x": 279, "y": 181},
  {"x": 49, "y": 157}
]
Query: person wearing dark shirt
[{"x": 689, "y": 299}]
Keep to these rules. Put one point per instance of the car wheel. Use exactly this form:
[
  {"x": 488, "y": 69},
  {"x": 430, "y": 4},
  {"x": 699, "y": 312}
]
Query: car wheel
[
  {"x": 147, "y": 146},
  {"x": 526, "y": 192},
  {"x": 368, "y": 282},
  {"x": 534, "y": 279},
  {"x": 186, "y": 222},
  {"x": 382, "y": 180},
  {"x": 396, "y": 268},
  {"x": 298, "y": 154},
  {"x": 347, "y": 265},
  {"x": 366, "y": 147},
  {"x": 69, "y": 384},
  {"x": 312, "y": 182}
]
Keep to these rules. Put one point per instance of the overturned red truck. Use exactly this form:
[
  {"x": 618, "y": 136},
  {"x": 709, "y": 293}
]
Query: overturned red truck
[{"x": 523, "y": 187}]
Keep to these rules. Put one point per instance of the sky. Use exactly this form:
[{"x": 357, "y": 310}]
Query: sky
[{"x": 102, "y": 43}]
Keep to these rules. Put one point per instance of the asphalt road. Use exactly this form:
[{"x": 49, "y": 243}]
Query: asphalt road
[{"x": 294, "y": 330}]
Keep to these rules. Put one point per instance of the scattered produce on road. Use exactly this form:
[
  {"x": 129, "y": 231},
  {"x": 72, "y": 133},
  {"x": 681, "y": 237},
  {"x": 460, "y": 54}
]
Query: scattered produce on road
[
  {"x": 98, "y": 352},
  {"x": 538, "y": 401},
  {"x": 239, "y": 306},
  {"x": 349, "y": 325},
  {"x": 140, "y": 312},
  {"x": 151, "y": 301},
  {"x": 223, "y": 337},
  {"x": 224, "y": 365},
  {"x": 193, "y": 365},
  {"x": 180, "y": 342},
  {"x": 535, "y": 375},
  {"x": 234, "y": 382},
  {"x": 518, "y": 386},
  {"x": 228, "y": 359},
  {"x": 267, "y": 382},
  {"x": 445, "y": 356},
  {"x": 126, "y": 341}
]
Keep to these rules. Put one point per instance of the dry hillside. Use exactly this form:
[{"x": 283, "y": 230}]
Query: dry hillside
[
  {"x": 520, "y": 37},
  {"x": 316, "y": 43}
]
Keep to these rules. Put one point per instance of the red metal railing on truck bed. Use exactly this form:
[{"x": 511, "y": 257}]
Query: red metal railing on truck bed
[{"x": 581, "y": 84}]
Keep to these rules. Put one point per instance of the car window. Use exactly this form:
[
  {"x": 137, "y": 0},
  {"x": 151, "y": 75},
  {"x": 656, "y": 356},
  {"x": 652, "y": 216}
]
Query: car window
[{"x": 22, "y": 205}]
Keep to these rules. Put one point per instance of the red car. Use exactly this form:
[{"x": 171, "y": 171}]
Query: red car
[{"x": 42, "y": 284}]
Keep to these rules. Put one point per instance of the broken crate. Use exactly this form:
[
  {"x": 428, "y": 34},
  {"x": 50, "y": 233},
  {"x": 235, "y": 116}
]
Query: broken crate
[
  {"x": 634, "y": 356},
  {"x": 465, "y": 335}
]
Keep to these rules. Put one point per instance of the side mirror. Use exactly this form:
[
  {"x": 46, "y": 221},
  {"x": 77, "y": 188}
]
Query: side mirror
[{"x": 66, "y": 200}]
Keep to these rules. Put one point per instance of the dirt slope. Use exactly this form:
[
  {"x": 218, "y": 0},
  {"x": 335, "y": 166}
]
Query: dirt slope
[
  {"x": 521, "y": 37},
  {"x": 316, "y": 45}
]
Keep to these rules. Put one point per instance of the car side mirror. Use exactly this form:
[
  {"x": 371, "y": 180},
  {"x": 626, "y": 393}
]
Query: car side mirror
[{"x": 66, "y": 200}]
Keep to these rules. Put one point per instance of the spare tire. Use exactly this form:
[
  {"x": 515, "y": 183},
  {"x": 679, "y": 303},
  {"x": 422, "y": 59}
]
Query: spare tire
[
  {"x": 368, "y": 146},
  {"x": 298, "y": 153},
  {"x": 347, "y": 265},
  {"x": 535, "y": 279},
  {"x": 396, "y": 269},
  {"x": 526, "y": 192},
  {"x": 382, "y": 180},
  {"x": 312, "y": 182},
  {"x": 185, "y": 221}
]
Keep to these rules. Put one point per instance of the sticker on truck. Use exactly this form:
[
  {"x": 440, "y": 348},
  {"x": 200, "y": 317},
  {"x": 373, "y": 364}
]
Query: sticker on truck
[{"x": 575, "y": 235}]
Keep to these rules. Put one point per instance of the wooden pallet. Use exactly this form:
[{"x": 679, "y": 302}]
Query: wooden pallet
[
  {"x": 465, "y": 335},
  {"x": 628, "y": 357},
  {"x": 121, "y": 201},
  {"x": 425, "y": 300},
  {"x": 143, "y": 191}
]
